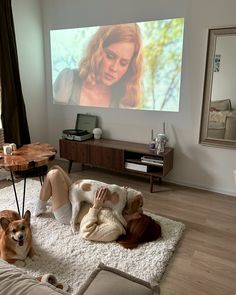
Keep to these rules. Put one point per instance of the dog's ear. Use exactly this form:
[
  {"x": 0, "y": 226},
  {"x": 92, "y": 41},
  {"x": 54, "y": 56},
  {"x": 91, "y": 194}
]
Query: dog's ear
[
  {"x": 133, "y": 204},
  {"x": 140, "y": 198},
  {"x": 4, "y": 223},
  {"x": 27, "y": 216}
]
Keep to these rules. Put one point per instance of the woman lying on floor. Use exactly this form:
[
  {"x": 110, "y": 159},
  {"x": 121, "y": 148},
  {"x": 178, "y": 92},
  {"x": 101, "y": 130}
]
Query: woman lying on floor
[{"x": 96, "y": 223}]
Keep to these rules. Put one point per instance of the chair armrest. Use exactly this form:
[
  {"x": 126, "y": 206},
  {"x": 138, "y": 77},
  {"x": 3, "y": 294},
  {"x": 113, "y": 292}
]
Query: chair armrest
[{"x": 230, "y": 126}]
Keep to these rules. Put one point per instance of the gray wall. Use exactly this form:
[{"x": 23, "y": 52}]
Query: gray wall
[{"x": 194, "y": 165}]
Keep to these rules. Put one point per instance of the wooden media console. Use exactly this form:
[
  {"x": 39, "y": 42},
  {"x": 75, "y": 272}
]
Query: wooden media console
[{"x": 120, "y": 156}]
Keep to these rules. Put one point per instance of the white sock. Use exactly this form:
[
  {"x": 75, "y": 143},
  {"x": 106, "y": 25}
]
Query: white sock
[{"x": 40, "y": 207}]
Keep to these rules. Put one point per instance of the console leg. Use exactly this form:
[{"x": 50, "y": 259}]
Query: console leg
[
  {"x": 152, "y": 178},
  {"x": 70, "y": 165},
  {"x": 151, "y": 184}
]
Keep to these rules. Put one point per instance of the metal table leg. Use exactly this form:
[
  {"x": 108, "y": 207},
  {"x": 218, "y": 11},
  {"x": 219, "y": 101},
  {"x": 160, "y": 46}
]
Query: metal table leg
[
  {"x": 14, "y": 188},
  {"x": 40, "y": 175},
  {"x": 23, "y": 202},
  {"x": 41, "y": 178}
]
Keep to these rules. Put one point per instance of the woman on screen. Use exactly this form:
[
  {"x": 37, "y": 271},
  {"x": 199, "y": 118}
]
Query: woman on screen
[{"x": 110, "y": 73}]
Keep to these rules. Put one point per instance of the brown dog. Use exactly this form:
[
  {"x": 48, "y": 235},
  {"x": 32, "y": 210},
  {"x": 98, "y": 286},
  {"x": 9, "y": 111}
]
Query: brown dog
[{"x": 15, "y": 236}]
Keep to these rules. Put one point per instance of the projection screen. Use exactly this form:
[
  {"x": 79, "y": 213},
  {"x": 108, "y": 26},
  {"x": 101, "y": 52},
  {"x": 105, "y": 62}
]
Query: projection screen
[{"x": 130, "y": 66}]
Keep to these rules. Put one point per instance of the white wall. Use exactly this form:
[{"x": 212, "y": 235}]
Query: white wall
[
  {"x": 194, "y": 165},
  {"x": 29, "y": 38},
  {"x": 224, "y": 81}
]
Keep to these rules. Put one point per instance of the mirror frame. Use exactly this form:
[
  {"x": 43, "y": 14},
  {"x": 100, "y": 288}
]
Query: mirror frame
[{"x": 211, "y": 45}]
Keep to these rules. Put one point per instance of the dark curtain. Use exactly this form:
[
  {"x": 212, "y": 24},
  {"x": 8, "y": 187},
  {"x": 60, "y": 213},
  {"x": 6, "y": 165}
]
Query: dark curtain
[{"x": 14, "y": 120}]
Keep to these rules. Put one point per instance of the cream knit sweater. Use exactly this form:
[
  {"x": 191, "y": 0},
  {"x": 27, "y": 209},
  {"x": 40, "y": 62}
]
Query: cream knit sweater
[{"x": 100, "y": 225}]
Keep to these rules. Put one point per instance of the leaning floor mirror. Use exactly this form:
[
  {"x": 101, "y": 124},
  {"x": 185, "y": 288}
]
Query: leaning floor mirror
[{"x": 218, "y": 121}]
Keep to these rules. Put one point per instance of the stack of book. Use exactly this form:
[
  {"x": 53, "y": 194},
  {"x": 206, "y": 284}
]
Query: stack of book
[{"x": 152, "y": 160}]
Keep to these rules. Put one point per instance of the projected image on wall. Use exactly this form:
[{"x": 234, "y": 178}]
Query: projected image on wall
[{"x": 132, "y": 66}]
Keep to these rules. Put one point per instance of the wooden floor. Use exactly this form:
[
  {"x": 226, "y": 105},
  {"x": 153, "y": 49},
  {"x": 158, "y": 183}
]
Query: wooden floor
[{"x": 205, "y": 259}]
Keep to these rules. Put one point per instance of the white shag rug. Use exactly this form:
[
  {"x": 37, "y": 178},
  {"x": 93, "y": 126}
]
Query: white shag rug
[{"x": 72, "y": 259}]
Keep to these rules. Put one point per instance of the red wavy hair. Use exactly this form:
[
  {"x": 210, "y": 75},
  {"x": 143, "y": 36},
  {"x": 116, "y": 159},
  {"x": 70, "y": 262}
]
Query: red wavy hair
[
  {"x": 142, "y": 230},
  {"x": 129, "y": 86}
]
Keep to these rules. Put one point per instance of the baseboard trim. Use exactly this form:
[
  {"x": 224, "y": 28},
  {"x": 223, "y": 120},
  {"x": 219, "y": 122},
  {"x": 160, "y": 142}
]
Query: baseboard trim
[{"x": 214, "y": 190}]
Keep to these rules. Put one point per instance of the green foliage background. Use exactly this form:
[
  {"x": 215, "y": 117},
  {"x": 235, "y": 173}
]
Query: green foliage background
[{"x": 162, "y": 49}]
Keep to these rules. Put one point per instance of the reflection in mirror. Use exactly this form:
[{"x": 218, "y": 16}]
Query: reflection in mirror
[{"x": 218, "y": 122}]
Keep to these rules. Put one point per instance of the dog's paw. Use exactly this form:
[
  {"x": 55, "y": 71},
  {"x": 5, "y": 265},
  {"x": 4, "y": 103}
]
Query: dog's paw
[
  {"x": 73, "y": 230},
  {"x": 20, "y": 263},
  {"x": 73, "y": 227},
  {"x": 34, "y": 257}
]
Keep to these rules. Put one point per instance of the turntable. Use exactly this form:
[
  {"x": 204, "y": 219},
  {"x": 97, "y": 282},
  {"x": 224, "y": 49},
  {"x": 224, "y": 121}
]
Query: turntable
[{"x": 83, "y": 128}]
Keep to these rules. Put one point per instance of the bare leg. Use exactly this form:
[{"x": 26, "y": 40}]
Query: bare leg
[
  {"x": 56, "y": 185},
  {"x": 59, "y": 188}
]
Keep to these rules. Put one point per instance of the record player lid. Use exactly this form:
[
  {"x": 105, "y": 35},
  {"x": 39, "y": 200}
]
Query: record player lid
[{"x": 86, "y": 122}]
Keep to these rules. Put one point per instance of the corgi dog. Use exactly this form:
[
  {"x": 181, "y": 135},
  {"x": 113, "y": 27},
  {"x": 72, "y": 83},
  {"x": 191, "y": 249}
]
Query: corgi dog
[
  {"x": 119, "y": 199},
  {"x": 15, "y": 236}
]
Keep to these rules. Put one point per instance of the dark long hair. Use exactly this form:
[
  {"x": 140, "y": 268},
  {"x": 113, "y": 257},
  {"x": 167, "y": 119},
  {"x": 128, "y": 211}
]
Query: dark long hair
[{"x": 142, "y": 230}]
